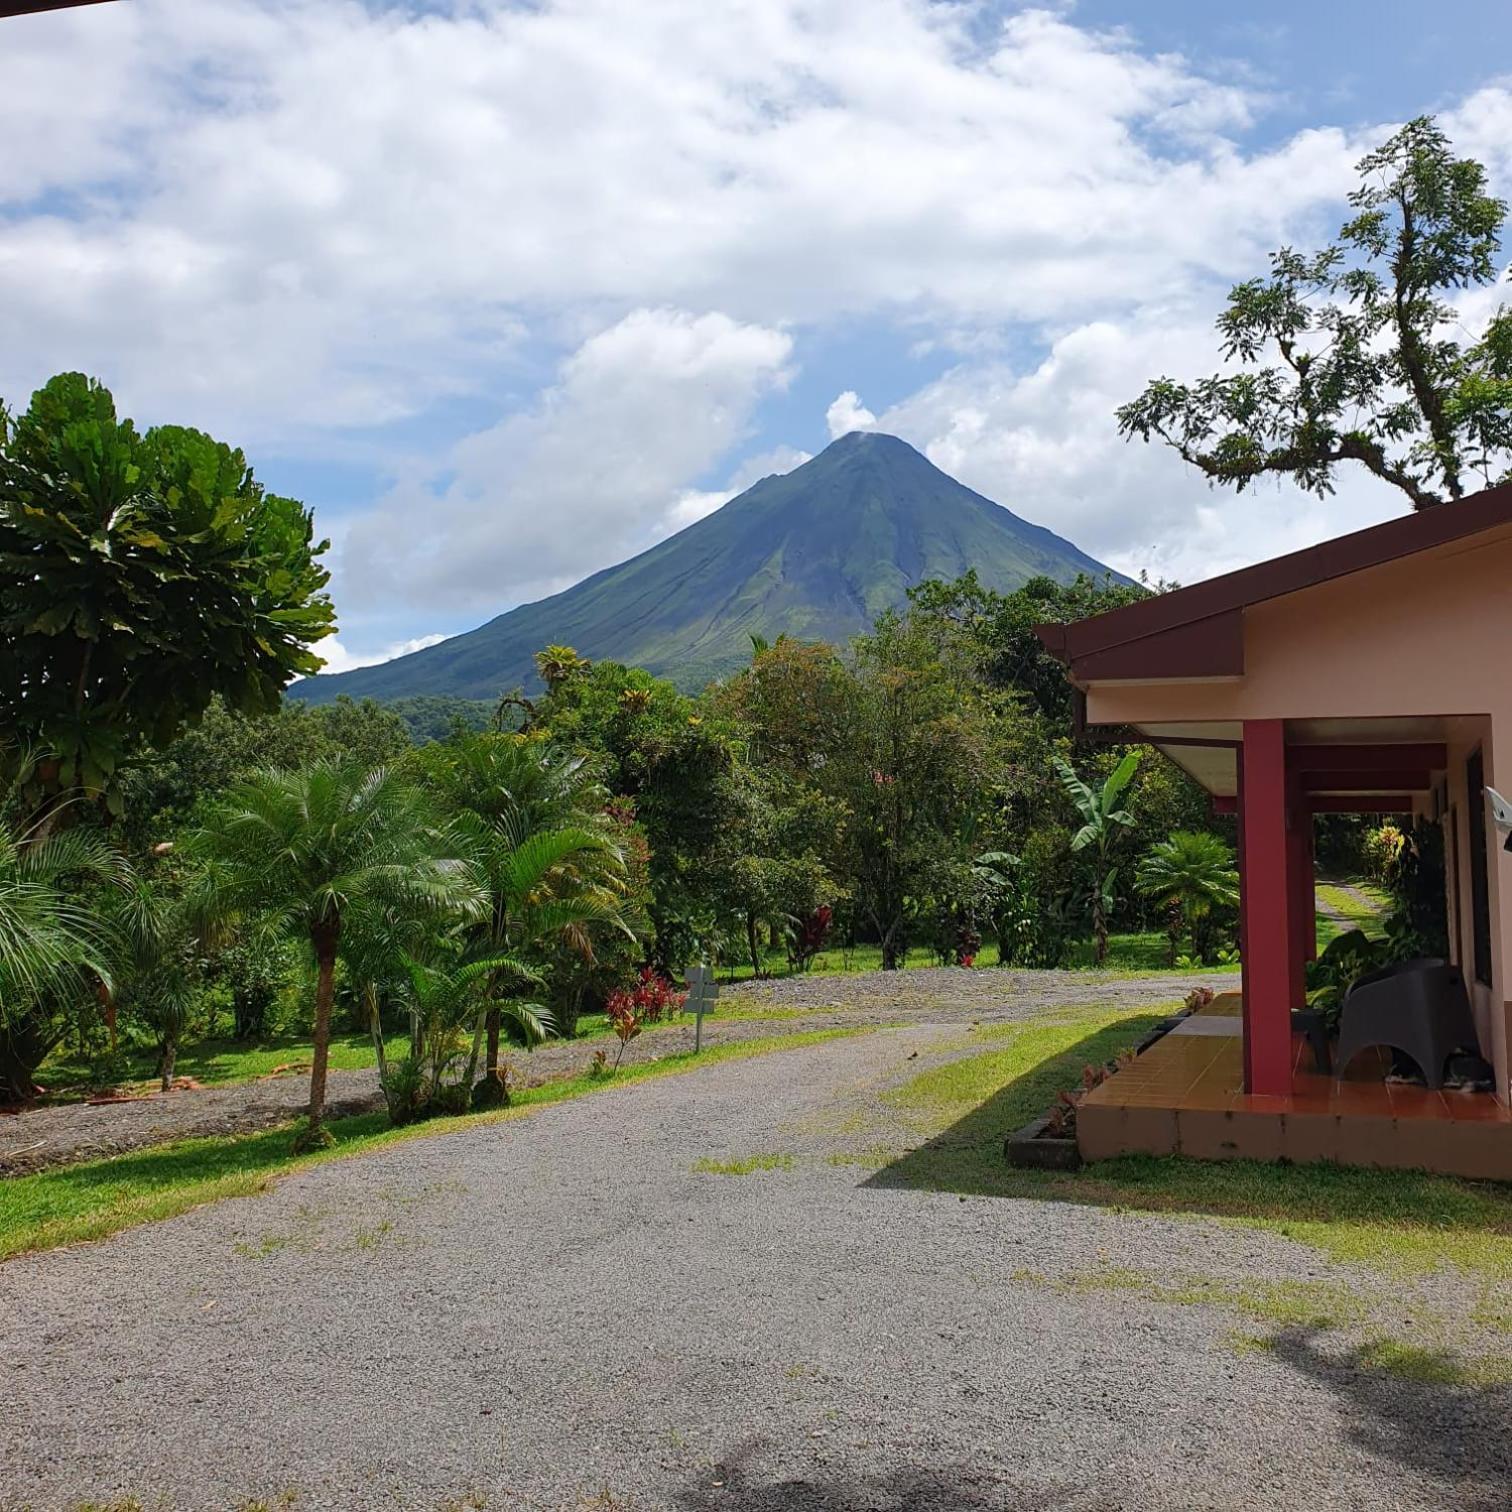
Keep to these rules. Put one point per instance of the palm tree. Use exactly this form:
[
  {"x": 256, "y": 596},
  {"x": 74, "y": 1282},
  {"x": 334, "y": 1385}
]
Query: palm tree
[
  {"x": 452, "y": 994},
  {"x": 52, "y": 942},
  {"x": 308, "y": 851},
  {"x": 1102, "y": 821},
  {"x": 158, "y": 963},
  {"x": 532, "y": 827},
  {"x": 1192, "y": 873}
]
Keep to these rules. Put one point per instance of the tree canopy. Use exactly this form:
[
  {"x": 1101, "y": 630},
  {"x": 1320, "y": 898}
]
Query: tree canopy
[
  {"x": 1357, "y": 353},
  {"x": 141, "y": 575}
]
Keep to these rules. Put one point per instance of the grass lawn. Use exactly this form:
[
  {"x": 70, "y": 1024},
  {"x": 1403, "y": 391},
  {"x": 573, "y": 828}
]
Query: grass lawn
[
  {"x": 1139, "y": 954},
  {"x": 223, "y": 1061},
  {"x": 95, "y": 1198},
  {"x": 1407, "y": 1220},
  {"x": 1363, "y": 907}
]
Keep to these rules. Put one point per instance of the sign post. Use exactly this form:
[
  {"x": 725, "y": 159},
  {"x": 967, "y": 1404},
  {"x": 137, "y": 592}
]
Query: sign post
[{"x": 703, "y": 991}]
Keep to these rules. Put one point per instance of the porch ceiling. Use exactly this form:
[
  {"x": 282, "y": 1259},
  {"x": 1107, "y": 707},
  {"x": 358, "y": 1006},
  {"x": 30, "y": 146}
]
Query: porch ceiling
[{"x": 1208, "y": 753}]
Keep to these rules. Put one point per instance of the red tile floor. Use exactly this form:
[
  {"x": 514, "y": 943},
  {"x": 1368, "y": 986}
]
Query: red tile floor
[{"x": 1184, "y": 1096}]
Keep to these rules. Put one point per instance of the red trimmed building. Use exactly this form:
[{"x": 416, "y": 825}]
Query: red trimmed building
[{"x": 1370, "y": 673}]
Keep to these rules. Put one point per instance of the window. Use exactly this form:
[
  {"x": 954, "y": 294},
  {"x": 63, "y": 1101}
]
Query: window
[{"x": 1480, "y": 897}]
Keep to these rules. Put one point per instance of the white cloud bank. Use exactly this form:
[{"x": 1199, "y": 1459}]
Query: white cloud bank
[
  {"x": 281, "y": 218},
  {"x": 593, "y": 471},
  {"x": 339, "y": 659}
]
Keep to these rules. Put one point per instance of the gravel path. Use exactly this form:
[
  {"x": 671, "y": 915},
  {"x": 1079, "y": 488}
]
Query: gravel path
[
  {"x": 71, "y": 1132},
  {"x": 571, "y": 1310}
]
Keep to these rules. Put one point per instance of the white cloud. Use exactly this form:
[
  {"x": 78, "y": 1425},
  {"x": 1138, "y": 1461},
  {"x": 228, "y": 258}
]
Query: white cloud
[
  {"x": 594, "y": 470},
  {"x": 693, "y": 504},
  {"x": 848, "y": 414},
  {"x": 302, "y": 214},
  {"x": 1044, "y": 442},
  {"x": 339, "y": 659},
  {"x": 284, "y": 218}
]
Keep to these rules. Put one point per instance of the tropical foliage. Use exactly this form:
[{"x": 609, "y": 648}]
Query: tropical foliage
[
  {"x": 140, "y": 576},
  {"x": 1357, "y": 354},
  {"x": 1193, "y": 877}
]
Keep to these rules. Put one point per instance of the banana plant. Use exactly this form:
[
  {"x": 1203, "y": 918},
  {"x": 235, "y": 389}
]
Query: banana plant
[{"x": 1103, "y": 824}]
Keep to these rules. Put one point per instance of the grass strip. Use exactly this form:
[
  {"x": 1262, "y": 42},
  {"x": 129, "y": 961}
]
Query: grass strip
[
  {"x": 97, "y": 1198},
  {"x": 1403, "y": 1222}
]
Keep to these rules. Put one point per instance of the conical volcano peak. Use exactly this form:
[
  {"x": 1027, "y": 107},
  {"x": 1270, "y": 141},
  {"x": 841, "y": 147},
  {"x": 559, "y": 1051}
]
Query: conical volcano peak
[{"x": 817, "y": 553}]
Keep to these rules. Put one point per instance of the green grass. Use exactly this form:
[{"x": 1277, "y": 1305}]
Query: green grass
[
  {"x": 1289, "y": 1304},
  {"x": 224, "y": 1062},
  {"x": 1408, "y": 1222},
  {"x": 1402, "y": 1225},
  {"x": 746, "y": 1165},
  {"x": 1369, "y": 915},
  {"x": 96, "y": 1198}
]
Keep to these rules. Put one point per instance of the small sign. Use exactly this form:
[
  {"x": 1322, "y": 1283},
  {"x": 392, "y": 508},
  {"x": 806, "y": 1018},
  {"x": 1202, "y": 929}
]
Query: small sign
[{"x": 703, "y": 992}]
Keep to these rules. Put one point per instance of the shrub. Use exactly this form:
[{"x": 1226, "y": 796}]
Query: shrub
[
  {"x": 649, "y": 1001},
  {"x": 806, "y": 936},
  {"x": 405, "y": 1090}
]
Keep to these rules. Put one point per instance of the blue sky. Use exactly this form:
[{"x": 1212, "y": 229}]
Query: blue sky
[{"x": 507, "y": 293}]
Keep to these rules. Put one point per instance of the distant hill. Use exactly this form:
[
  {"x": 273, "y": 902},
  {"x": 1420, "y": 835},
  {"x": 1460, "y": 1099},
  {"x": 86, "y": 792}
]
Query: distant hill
[{"x": 817, "y": 553}]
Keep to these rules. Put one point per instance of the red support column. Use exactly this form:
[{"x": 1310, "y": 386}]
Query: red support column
[
  {"x": 1310, "y": 887},
  {"x": 1299, "y": 885},
  {"x": 1268, "y": 906}
]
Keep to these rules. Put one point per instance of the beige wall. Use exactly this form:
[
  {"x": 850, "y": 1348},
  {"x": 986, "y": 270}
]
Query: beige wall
[{"x": 1429, "y": 636}]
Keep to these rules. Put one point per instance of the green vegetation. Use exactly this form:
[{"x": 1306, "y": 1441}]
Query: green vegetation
[
  {"x": 1406, "y": 1222},
  {"x": 744, "y": 1166},
  {"x": 1360, "y": 907},
  {"x": 1353, "y": 354},
  {"x": 158, "y": 574},
  {"x": 96, "y": 1198},
  {"x": 1403, "y": 1223},
  {"x": 1295, "y": 1304}
]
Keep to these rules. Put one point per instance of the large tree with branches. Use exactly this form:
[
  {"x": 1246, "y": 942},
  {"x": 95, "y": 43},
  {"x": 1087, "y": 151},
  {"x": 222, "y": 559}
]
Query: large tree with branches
[{"x": 1357, "y": 353}]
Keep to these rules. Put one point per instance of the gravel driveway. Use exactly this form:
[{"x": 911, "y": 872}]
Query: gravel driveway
[
  {"x": 70, "y": 1132},
  {"x": 576, "y": 1310}
]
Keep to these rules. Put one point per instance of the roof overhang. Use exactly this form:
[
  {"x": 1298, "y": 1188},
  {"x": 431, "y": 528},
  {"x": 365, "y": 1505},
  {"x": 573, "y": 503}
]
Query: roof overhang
[
  {"x": 29, "y": 7},
  {"x": 1197, "y": 633}
]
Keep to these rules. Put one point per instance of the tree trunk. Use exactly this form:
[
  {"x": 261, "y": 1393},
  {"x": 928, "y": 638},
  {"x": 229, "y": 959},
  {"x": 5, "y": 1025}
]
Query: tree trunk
[
  {"x": 20, "y": 1055},
  {"x": 166, "y": 1062},
  {"x": 890, "y": 961},
  {"x": 484, "y": 1014},
  {"x": 325, "y": 991},
  {"x": 753, "y": 942},
  {"x": 375, "y": 1028},
  {"x": 492, "y": 1063}
]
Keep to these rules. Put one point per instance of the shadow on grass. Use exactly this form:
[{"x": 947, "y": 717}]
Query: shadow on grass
[
  {"x": 1397, "y": 1207},
  {"x": 968, "y": 1156},
  {"x": 1410, "y": 1409}
]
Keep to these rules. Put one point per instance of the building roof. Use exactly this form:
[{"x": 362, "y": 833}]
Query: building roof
[{"x": 1198, "y": 631}]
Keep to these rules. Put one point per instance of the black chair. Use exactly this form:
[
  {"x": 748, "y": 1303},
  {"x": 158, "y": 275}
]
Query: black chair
[{"x": 1419, "y": 1008}]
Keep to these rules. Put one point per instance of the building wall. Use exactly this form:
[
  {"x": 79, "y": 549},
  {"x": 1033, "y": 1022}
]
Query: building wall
[{"x": 1429, "y": 636}]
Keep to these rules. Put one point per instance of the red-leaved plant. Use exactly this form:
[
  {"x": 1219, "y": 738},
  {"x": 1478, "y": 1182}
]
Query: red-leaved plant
[{"x": 649, "y": 1001}]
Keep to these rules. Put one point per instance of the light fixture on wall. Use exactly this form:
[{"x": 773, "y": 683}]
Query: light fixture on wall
[{"x": 1501, "y": 816}]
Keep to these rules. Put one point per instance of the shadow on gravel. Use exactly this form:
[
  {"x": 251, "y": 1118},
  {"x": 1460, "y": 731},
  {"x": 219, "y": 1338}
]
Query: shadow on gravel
[
  {"x": 732, "y": 1483},
  {"x": 1414, "y": 1409},
  {"x": 1417, "y": 1209},
  {"x": 968, "y": 1156}
]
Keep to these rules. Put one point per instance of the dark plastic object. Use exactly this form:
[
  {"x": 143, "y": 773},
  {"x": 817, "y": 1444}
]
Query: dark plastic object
[
  {"x": 1417, "y": 1007},
  {"x": 1310, "y": 1022}
]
